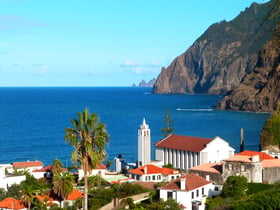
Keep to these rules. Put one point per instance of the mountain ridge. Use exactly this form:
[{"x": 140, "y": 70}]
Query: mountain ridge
[{"x": 222, "y": 56}]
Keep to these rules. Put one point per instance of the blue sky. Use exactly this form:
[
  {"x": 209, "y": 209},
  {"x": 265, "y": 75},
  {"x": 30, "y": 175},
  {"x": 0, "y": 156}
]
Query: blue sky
[{"x": 100, "y": 42}]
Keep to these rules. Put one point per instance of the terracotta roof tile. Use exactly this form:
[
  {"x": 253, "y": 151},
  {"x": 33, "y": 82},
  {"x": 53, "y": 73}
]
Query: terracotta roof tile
[
  {"x": 209, "y": 167},
  {"x": 11, "y": 203},
  {"x": 74, "y": 195},
  {"x": 262, "y": 155},
  {"x": 240, "y": 158},
  {"x": 45, "y": 169},
  {"x": 187, "y": 143},
  {"x": 152, "y": 169},
  {"x": 271, "y": 163},
  {"x": 27, "y": 164},
  {"x": 193, "y": 181}
]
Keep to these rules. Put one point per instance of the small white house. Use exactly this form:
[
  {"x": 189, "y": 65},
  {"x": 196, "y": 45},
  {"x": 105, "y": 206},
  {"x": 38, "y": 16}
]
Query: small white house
[
  {"x": 152, "y": 173},
  {"x": 8, "y": 180},
  {"x": 99, "y": 170},
  {"x": 185, "y": 152},
  {"x": 28, "y": 166},
  {"x": 189, "y": 191}
]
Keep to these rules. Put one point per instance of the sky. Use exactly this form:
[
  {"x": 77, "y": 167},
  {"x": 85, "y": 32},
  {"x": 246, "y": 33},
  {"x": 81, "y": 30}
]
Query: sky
[{"x": 100, "y": 42}]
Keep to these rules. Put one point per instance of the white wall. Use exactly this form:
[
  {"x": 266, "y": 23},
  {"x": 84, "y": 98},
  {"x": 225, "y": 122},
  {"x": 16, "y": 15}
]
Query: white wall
[
  {"x": 159, "y": 154},
  {"x": 218, "y": 150}
]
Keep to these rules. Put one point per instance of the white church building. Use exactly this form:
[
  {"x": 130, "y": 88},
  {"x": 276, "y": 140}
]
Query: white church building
[{"x": 185, "y": 152}]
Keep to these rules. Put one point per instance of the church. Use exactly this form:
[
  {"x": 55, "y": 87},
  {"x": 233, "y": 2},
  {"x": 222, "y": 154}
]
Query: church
[{"x": 182, "y": 152}]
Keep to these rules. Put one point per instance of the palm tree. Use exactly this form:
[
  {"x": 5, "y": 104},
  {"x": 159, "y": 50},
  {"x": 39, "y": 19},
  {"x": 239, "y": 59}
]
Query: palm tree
[
  {"x": 56, "y": 167},
  {"x": 28, "y": 195},
  {"x": 89, "y": 138},
  {"x": 63, "y": 184}
]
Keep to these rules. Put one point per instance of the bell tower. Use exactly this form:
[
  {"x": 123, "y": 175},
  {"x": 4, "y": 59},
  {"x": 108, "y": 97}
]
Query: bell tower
[{"x": 144, "y": 144}]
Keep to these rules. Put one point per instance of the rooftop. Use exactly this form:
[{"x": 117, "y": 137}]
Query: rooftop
[
  {"x": 193, "y": 181},
  {"x": 152, "y": 169},
  {"x": 28, "y": 164},
  {"x": 187, "y": 143},
  {"x": 209, "y": 167},
  {"x": 11, "y": 203}
]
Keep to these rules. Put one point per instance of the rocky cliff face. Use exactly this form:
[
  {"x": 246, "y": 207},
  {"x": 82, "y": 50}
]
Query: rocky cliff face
[
  {"x": 260, "y": 89},
  {"x": 221, "y": 57}
]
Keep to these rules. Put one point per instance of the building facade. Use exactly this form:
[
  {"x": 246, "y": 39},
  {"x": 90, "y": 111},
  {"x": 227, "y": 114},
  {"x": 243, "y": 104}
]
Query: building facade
[
  {"x": 189, "y": 191},
  {"x": 152, "y": 173},
  {"x": 185, "y": 152}
]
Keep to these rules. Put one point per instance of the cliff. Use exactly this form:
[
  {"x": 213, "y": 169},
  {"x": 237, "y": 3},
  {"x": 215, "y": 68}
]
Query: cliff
[
  {"x": 260, "y": 89},
  {"x": 218, "y": 60}
]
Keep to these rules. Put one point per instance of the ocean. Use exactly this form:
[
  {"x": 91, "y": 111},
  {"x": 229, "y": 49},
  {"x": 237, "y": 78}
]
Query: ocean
[{"x": 33, "y": 120}]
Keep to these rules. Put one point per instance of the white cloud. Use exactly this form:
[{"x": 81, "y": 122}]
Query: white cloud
[{"x": 130, "y": 63}]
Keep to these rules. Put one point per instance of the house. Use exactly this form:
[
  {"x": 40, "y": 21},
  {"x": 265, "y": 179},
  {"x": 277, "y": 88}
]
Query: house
[
  {"x": 69, "y": 201},
  {"x": 152, "y": 173},
  {"x": 189, "y": 191},
  {"x": 257, "y": 167},
  {"x": 45, "y": 172},
  {"x": 11, "y": 203},
  {"x": 212, "y": 172},
  {"x": 100, "y": 170},
  {"x": 6, "y": 180},
  {"x": 185, "y": 152},
  {"x": 28, "y": 166}
]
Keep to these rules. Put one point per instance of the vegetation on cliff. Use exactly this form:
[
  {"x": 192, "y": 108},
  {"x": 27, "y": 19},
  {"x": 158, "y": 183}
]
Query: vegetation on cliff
[{"x": 270, "y": 135}]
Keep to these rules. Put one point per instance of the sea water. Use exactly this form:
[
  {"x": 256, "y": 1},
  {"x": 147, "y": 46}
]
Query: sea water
[{"x": 33, "y": 120}]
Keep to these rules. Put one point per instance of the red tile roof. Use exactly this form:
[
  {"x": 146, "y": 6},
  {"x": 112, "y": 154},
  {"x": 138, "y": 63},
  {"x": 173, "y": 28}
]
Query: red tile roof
[
  {"x": 271, "y": 163},
  {"x": 11, "y": 203},
  {"x": 187, "y": 143},
  {"x": 45, "y": 169},
  {"x": 27, "y": 164},
  {"x": 74, "y": 195},
  {"x": 193, "y": 181},
  {"x": 209, "y": 167},
  {"x": 262, "y": 155},
  {"x": 152, "y": 169}
]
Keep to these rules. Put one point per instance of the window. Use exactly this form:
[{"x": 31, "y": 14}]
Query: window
[
  {"x": 154, "y": 177},
  {"x": 169, "y": 194},
  {"x": 202, "y": 191},
  {"x": 148, "y": 178},
  {"x": 197, "y": 193},
  {"x": 158, "y": 177},
  {"x": 242, "y": 167},
  {"x": 230, "y": 166},
  {"x": 172, "y": 177},
  {"x": 192, "y": 195},
  {"x": 216, "y": 188}
]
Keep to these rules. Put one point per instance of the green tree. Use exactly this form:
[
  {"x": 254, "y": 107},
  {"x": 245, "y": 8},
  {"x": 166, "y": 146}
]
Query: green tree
[
  {"x": 28, "y": 195},
  {"x": 14, "y": 191},
  {"x": 235, "y": 186},
  {"x": 89, "y": 138},
  {"x": 168, "y": 129},
  {"x": 57, "y": 167},
  {"x": 63, "y": 184},
  {"x": 270, "y": 134}
]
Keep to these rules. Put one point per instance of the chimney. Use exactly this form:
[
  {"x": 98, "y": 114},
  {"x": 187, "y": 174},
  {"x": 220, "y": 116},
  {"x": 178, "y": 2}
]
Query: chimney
[
  {"x": 255, "y": 158},
  {"x": 207, "y": 177},
  {"x": 183, "y": 183},
  {"x": 145, "y": 169}
]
